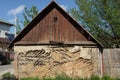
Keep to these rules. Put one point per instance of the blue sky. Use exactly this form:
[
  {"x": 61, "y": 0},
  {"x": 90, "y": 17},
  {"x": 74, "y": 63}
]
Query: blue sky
[{"x": 10, "y": 8}]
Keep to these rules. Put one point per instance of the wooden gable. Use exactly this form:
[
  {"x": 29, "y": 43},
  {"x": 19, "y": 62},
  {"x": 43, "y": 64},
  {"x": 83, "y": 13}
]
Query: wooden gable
[
  {"x": 53, "y": 27},
  {"x": 53, "y": 24}
]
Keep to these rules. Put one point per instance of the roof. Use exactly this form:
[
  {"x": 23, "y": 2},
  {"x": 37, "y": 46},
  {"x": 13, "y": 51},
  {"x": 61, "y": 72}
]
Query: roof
[
  {"x": 42, "y": 14},
  {"x": 5, "y": 22},
  {"x": 4, "y": 40}
]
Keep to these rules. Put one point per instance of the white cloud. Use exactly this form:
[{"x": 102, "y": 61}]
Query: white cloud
[
  {"x": 17, "y": 10},
  {"x": 64, "y": 7}
]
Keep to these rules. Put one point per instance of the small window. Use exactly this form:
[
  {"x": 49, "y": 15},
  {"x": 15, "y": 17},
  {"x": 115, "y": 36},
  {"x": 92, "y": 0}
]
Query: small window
[{"x": 55, "y": 19}]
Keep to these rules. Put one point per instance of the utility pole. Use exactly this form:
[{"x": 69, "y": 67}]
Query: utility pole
[{"x": 15, "y": 25}]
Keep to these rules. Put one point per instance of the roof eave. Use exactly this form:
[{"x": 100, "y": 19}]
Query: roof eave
[{"x": 7, "y": 23}]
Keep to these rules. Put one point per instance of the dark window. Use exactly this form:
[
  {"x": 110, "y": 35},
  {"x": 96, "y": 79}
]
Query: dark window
[
  {"x": 6, "y": 33},
  {"x": 55, "y": 19}
]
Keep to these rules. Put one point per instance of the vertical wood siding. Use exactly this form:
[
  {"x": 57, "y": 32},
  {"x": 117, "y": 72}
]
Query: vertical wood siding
[
  {"x": 49, "y": 30},
  {"x": 111, "y": 60}
]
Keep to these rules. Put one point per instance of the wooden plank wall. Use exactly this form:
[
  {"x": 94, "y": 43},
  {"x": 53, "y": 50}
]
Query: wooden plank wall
[
  {"x": 49, "y": 30},
  {"x": 111, "y": 62}
]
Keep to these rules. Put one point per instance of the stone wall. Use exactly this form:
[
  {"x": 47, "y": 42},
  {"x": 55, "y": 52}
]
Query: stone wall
[{"x": 49, "y": 61}]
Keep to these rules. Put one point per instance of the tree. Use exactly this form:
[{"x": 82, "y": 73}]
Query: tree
[
  {"x": 29, "y": 14},
  {"x": 101, "y": 18},
  {"x": 18, "y": 27}
]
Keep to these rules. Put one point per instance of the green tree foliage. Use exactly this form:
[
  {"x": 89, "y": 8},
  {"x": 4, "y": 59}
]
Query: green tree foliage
[
  {"x": 101, "y": 18},
  {"x": 29, "y": 14},
  {"x": 18, "y": 27}
]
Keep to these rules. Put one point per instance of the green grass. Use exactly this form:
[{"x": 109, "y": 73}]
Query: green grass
[
  {"x": 8, "y": 76},
  {"x": 29, "y": 78},
  {"x": 64, "y": 77},
  {"x": 94, "y": 77}
]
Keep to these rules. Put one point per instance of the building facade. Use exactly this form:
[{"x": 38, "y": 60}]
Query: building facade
[
  {"x": 5, "y": 38},
  {"x": 5, "y": 35}
]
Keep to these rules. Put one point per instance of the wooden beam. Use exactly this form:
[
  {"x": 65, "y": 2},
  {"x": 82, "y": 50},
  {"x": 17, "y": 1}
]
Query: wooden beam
[{"x": 82, "y": 43}]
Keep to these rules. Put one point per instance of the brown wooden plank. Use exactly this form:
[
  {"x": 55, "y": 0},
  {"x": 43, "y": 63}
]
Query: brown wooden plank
[{"x": 48, "y": 30}]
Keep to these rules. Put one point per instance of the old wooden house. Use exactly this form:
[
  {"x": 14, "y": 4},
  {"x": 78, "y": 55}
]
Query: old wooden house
[{"x": 53, "y": 43}]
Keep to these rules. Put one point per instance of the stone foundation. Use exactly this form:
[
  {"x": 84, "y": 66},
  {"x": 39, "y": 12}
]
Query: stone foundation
[{"x": 49, "y": 61}]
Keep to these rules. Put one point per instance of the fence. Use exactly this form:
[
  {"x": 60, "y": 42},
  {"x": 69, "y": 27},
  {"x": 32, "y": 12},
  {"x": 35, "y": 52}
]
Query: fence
[{"x": 111, "y": 62}]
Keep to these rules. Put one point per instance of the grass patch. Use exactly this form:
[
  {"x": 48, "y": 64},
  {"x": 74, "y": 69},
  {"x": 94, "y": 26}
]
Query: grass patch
[
  {"x": 8, "y": 76},
  {"x": 29, "y": 78},
  {"x": 64, "y": 77},
  {"x": 94, "y": 77}
]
